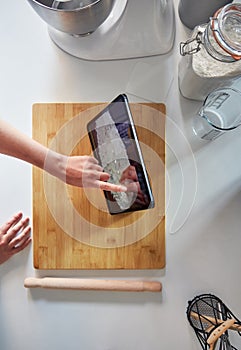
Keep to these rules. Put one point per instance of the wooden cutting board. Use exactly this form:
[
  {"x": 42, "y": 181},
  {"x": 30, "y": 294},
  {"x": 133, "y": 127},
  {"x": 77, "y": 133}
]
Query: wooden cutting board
[{"x": 72, "y": 228}]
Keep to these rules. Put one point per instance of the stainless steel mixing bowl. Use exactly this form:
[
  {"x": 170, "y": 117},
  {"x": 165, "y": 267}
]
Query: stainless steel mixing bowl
[{"x": 73, "y": 16}]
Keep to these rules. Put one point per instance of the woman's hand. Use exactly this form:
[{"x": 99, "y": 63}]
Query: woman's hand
[
  {"x": 14, "y": 236},
  {"x": 84, "y": 171}
]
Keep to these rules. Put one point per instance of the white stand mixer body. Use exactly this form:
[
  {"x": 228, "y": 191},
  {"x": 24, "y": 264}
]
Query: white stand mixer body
[{"x": 134, "y": 28}]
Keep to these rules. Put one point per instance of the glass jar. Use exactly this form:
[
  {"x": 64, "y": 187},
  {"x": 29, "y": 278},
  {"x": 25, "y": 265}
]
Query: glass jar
[{"x": 212, "y": 54}]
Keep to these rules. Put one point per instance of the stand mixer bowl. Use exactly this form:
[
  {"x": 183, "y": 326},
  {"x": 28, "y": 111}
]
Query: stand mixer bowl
[{"x": 77, "y": 17}]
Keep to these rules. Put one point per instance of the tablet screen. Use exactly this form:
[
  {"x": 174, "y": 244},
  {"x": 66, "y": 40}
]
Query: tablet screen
[{"x": 115, "y": 144}]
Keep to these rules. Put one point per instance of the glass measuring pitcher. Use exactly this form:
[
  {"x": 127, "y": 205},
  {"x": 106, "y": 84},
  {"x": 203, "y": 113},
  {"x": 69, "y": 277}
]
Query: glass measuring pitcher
[{"x": 220, "y": 112}]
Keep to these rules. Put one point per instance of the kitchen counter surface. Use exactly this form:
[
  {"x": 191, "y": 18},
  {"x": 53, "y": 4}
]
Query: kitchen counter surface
[{"x": 202, "y": 204}]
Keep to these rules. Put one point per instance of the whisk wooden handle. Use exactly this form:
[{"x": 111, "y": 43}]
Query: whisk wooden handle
[
  {"x": 217, "y": 332},
  {"x": 212, "y": 321},
  {"x": 93, "y": 284}
]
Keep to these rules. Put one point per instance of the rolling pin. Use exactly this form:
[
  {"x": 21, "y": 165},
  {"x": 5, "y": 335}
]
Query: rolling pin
[{"x": 93, "y": 284}]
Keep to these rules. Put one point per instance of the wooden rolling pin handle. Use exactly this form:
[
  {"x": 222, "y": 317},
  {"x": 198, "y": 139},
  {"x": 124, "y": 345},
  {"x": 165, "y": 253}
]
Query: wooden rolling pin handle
[{"x": 93, "y": 284}]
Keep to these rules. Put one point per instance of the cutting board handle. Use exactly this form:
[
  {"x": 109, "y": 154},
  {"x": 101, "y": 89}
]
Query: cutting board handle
[{"x": 93, "y": 284}]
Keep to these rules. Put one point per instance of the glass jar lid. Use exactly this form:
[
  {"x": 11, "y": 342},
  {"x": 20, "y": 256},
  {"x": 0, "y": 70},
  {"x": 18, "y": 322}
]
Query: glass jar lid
[{"x": 226, "y": 27}]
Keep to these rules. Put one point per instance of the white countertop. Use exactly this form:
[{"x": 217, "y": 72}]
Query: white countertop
[{"x": 203, "y": 188}]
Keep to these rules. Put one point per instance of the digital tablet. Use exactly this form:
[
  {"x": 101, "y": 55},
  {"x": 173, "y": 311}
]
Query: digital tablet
[{"x": 115, "y": 145}]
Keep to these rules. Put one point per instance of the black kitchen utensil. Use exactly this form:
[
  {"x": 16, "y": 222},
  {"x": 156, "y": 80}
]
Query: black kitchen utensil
[{"x": 211, "y": 320}]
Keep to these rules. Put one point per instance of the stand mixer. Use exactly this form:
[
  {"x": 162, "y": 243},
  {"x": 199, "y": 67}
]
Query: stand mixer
[{"x": 131, "y": 29}]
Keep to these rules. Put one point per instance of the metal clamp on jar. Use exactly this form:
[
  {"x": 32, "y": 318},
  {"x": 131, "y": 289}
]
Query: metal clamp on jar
[{"x": 212, "y": 54}]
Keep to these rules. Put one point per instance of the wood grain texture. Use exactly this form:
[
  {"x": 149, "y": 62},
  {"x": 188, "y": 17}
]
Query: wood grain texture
[
  {"x": 93, "y": 284},
  {"x": 72, "y": 228}
]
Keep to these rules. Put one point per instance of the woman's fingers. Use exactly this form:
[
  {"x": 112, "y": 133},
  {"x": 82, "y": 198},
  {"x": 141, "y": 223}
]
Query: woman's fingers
[
  {"x": 16, "y": 228},
  {"x": 14, "y": 236},
  {"x": 85, "y": 171},
  {"x": 20, "y": 238},
  {"x": 107, "y": 186},
  {"x": 11, "y": 222},
  {"x": 19, "y": 234}
]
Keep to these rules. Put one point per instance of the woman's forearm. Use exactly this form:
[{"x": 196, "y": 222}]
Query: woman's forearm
[
  {"x": 81, "y": 171},
  {"x": 16, "y": 144}
]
